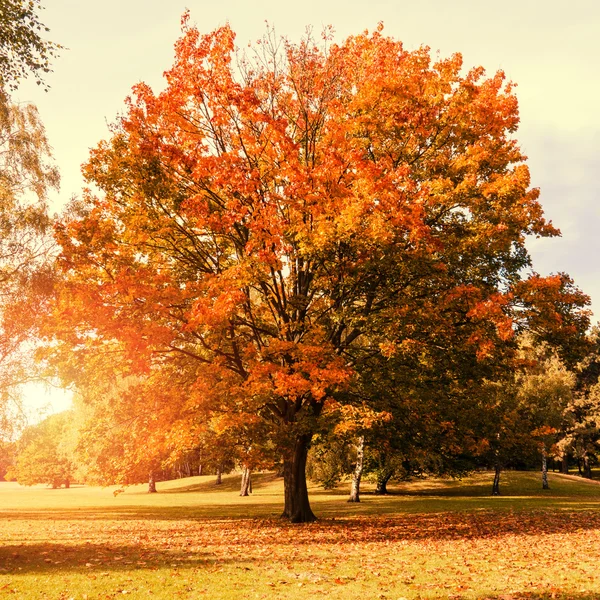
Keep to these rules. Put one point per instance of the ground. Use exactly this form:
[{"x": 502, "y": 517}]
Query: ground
[{"x": 429, "y": 539}]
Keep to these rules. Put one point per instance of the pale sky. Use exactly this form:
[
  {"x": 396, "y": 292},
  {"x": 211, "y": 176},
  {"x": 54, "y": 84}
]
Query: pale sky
[{"x": 550, "y": 48}]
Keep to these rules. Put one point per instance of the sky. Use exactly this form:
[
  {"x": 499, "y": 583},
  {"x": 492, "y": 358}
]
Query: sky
[{"x": 550, "y": 49}]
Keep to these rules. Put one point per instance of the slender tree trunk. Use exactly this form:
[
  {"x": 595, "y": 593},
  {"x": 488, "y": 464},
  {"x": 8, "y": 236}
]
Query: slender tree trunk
[
  {"x": 151, "y": 483},
  {"x": 246, "y": 486},
  {"x": 219, "y": 480},
  {"x": 579, "y": 466},
  {"x": 357, "y": 475},
  {"x": 297, "y": 506},
  {"x": 587, "y": 469},
  {"x": 200, "y": 469},
  {"x": 381, "y": 484},
  {"x": 496, "y": 484},
  {"x": 545, "y": 485}
]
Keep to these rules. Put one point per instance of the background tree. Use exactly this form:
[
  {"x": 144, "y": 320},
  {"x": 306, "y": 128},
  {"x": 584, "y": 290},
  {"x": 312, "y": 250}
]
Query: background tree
[
  {"x": 26, "y": 176},
  {"x": 45, "y": 453},
  {"x": 23, "y": 50},
  {"x": 126, "y": 425},
  {"x": 545, "y": 389},
  {"x": 275, "y": 228},
  {"x": 581, "y": 430},
  {"x": 7, "y": 457}
]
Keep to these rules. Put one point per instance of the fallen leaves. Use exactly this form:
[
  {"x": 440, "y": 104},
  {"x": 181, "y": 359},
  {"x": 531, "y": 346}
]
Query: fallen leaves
[{"x": 485, "y": 554}]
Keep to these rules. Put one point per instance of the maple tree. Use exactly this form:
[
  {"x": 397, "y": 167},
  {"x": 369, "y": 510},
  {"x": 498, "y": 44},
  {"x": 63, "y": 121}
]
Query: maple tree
[{"x": 276, "y": 225}]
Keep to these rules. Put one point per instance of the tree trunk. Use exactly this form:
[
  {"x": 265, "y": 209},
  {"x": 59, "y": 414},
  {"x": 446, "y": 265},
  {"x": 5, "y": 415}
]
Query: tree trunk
[
  {"x": 545, "y": 485},
  {"x": 297, "y": 506},
  {"x": 246, "y": 487},
  {"x": 200, "y": 469},
  {"x": 381, "y": 485},
  {"x": 219, "y": 480},
  {"x": 357, "y": 475},
  {"x": 67, "y": 484},
  {"x": 587, "y": 469},
  {"x": 496, "y": 484},
  {"x": 151, "y": 483},
  {"x": 565, "y": 464}
]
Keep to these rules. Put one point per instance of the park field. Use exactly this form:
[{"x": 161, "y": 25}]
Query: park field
[{"x": 429, "y": 539}]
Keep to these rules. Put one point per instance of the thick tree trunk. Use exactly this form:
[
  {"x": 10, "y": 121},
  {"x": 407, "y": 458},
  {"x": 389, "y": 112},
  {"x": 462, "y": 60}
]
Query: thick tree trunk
[
  {"x": 67, "y": 484},
  {"x": 381, "y": 484},
  {"x": 357, "y": 475},
  {"x": 496, "y": 484},
  {"x": 151, "y": 483},
  {"x": 565, "y": 464},
  {"x": 246, "y": 486},
  {"x": 297, "y": 506},
  {"x": 219, "y": 480},
  {"x": 545, "y": 485}
]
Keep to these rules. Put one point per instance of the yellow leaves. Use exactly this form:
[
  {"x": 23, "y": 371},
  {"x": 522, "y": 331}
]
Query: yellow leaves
[
  {"x": 388, "y": 349},
  {"x": 356, "y": 419}
]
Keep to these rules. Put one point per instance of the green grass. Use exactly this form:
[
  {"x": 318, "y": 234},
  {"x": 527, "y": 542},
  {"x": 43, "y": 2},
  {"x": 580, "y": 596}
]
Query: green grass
[{"x": 433, "y": 538}]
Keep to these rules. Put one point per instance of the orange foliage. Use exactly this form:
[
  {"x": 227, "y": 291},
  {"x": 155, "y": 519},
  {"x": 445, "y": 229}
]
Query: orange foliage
[{"x": 274, "y": 221}]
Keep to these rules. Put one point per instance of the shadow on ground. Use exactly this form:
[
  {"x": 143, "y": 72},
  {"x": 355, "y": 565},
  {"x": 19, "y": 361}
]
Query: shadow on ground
[{"x": 98, "y": 559}]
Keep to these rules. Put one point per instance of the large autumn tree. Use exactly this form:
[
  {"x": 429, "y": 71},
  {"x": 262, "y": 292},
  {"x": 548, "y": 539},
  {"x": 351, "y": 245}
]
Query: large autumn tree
[{"x": 276, "y": 222}]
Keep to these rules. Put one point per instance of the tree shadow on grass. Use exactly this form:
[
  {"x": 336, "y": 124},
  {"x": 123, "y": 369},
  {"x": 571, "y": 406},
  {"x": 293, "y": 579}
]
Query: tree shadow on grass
[
  {"x": 246, "y": 532},
  {"x": 230, "y": 483},
  {"x": 53, "y": 558}
]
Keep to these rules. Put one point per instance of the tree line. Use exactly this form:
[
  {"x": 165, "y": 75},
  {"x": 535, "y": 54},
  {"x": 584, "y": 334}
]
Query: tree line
[{"x": 545, "y": 416}]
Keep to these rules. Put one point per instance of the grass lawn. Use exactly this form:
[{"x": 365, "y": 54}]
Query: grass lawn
[{"x": 429, "y": 539}]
